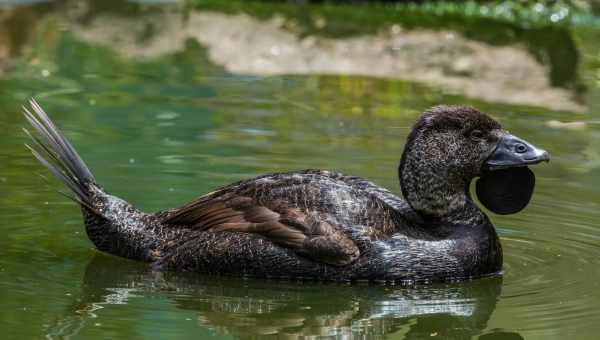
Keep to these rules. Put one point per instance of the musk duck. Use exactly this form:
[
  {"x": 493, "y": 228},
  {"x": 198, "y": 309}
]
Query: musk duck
[{"x": 324, "y": 225}]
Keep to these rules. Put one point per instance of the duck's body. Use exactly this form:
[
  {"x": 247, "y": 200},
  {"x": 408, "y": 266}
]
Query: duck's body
[
  {"x": 308, "y": 224},
  {"x": 394, "y": 243}
]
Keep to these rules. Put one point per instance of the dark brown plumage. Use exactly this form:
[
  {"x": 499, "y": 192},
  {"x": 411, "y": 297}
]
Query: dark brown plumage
[{"x": 318, "y": 224}]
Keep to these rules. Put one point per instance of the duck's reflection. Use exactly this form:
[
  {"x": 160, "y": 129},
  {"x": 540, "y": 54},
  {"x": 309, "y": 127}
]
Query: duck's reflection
[{"x": 253, "y": 308}]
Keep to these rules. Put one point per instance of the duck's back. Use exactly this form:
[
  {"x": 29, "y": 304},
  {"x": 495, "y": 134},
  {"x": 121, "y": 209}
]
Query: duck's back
[{"x": 352, "y": 204}]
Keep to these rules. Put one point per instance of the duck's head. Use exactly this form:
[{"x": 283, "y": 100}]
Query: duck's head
[{"x": 449, "y": 146}]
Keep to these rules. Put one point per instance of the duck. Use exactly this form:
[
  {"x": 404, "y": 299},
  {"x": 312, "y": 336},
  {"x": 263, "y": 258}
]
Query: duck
[{"x": 324, "y": 225}]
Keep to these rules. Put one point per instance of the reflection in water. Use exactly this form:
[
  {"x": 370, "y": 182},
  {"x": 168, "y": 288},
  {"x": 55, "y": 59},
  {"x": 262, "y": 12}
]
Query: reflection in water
[
  {"x": 443, "y": 58},
  {"x": 252, "y": 308},
  {"x": 16, "y": 26}
]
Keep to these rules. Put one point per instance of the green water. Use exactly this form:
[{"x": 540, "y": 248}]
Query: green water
[{"x": 161, "y": 131}]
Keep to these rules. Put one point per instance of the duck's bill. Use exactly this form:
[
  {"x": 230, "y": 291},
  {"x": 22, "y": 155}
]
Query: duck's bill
[
  {"x": 513, "y": 152},
  {"x": 506, "y": 184}
]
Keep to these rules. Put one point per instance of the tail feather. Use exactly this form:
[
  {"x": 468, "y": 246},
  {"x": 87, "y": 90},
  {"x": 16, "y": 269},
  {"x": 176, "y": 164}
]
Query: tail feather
[{"x": 55, "y": 152}]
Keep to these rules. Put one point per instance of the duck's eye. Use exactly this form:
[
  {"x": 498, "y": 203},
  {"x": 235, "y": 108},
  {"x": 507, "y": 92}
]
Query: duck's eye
[{"x": 477, "y": 135}]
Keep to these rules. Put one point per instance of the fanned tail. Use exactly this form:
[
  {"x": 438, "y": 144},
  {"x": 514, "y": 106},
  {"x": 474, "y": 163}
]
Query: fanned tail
[{"x": 55, "y": 152}]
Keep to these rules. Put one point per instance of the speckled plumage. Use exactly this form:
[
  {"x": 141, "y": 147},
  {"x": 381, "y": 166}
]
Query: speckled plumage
[{"x": 314, "y": 224}]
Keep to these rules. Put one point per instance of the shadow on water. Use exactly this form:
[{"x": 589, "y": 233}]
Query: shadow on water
[{"x": 254, "y": 308}]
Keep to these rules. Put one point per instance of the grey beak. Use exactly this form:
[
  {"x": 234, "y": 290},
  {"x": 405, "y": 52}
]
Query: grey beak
[{"x": 512, "y": 151}]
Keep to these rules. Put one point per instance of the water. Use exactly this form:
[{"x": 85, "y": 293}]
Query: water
[{"x": 160, "y": 131}]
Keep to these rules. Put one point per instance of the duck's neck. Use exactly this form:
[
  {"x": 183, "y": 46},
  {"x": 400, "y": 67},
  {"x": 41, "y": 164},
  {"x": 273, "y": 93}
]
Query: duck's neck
[{"x": 436, "y": 191}]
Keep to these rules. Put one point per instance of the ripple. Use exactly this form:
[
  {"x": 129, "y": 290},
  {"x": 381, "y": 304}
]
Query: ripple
[
  {"x": 171, "y": 159},
  {"x": 552, "y": 271}
]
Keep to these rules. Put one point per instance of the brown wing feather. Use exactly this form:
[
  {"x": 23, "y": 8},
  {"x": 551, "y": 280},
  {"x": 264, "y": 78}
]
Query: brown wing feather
[{"x": 283, "y": 225}]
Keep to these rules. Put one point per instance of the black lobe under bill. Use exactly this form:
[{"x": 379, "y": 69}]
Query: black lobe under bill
[{"x": 506, "y": 191}]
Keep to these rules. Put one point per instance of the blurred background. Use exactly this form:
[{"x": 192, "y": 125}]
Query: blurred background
[{"x": 167, "y": 100}]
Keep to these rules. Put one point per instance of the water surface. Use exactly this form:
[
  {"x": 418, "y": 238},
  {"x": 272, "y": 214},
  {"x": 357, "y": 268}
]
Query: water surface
[{"x": 161, "y": 131}]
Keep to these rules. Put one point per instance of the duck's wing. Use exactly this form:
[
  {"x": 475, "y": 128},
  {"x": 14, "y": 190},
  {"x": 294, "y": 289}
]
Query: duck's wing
[
  {"x": 308, "y": 234},
  {"x": 377, "y": 192}
]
